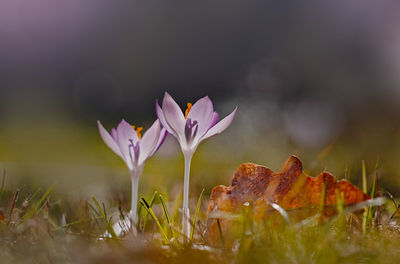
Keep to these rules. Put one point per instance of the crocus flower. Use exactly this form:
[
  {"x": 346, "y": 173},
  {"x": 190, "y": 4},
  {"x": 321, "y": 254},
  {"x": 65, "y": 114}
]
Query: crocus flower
[
  {"x": 127, "y": 143},
  {"x": 197, "y": 124}
]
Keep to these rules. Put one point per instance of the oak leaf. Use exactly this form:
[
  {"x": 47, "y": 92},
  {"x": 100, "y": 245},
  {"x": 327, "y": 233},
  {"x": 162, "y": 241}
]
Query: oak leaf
[{"x": 258, "y": 187}]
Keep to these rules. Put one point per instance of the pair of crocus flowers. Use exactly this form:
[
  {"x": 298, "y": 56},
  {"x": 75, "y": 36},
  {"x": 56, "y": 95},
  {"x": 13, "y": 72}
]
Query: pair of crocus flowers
[{"x": 197, "y": 124}]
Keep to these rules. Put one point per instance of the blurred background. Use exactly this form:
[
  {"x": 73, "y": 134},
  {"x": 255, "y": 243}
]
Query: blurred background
[{"x": 320, "y": 80}]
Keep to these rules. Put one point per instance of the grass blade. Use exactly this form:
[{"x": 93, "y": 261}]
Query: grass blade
[
  {"x": 196, "y": 213},
  {"x": 373, "y": 189},
  {"x": 12, "y": 204},
  {"x": 365, "y": 190},
  {"x": 152, "y": 200},
  {"x": 281, "y": 211},
  {"x": 72, "y": 223},
  {"x": 38, "y": 204},
  {"x": 167, "y": 216},
  {"x": 108, "y": 222},
  {"x": 364, "y": 177},
  {"x": 375, "y": 176},
  {"x": 146, "y": 206}
]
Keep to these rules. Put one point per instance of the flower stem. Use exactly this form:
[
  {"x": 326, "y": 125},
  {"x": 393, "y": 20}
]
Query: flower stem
[
  {"x": 185, "y": 208},
  {"x": 135, "y": 186}
]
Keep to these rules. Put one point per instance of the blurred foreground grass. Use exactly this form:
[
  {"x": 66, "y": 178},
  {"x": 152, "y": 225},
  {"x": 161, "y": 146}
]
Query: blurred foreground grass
[{"x": 46, "y": 227}]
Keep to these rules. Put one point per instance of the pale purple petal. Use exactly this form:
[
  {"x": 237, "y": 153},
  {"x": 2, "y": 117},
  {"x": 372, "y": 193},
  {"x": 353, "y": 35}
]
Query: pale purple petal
[
  {"x": 202, "y": 112},
  {"x": 161, "y": 117},
  {"x": 191, "y": 129},
  {"x": 173, "y": 115},
  {"x": 108, "y": 139},
  {"x": 215, "y": 119},
  {"x": 220, "y": 126},
  {"x": 188, "y": 130},
  {"x": 114, "y": 134},
  {"x": 161, "y": 139},
  {"x": 149, "y": 141},
  {"x": 126, "y": 136},
  {"x": 136, "y": 153},
  {"x": 194, "y": 133}
]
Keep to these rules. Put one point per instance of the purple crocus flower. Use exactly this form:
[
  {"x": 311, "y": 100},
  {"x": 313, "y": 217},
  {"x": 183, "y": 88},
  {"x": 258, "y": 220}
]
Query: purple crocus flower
[
  {"x": 199, "y": 123},
  {"x": 127, "y": 143}
]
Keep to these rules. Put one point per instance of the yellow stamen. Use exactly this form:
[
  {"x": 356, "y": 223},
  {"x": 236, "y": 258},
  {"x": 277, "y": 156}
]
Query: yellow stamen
[
  {"x": 189, "y": 106},
  {"x": 138, "y": 131}
]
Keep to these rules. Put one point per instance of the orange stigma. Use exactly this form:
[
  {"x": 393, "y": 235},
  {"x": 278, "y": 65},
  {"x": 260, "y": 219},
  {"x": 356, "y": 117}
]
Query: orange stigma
[
  {"x": 138, "y": 131},
  {"x": 189, "y": 106}
]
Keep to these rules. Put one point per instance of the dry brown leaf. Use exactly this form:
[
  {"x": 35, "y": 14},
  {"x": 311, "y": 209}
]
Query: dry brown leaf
[{"x": 258, "y": 187}]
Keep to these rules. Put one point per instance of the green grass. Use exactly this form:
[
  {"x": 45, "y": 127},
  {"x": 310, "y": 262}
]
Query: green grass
[{"x": 35, "y": 230}]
